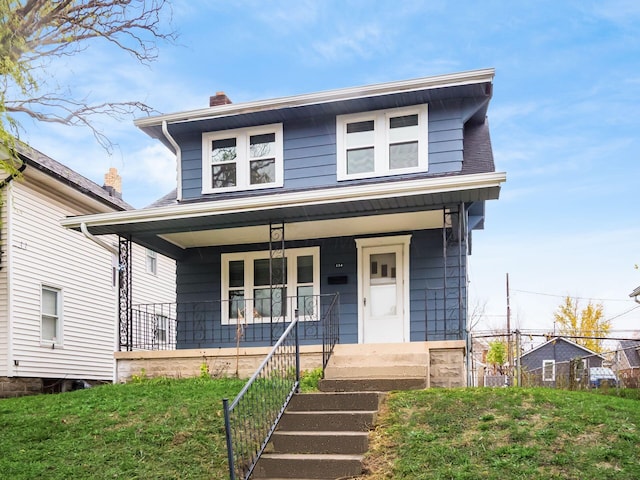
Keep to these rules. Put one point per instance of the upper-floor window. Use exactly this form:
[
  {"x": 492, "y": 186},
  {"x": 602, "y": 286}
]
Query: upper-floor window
[
  {"x": 242, "y": 159},
  {"x": 152, "y": 262},
  {"x": 51, "y": 315},
  {"x": 382, "y": 142}
]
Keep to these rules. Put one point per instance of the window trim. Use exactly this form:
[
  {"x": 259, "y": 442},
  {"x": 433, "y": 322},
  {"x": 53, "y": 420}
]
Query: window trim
[
  {"x": 248, "y": 258},
  {"x": 553, "y": 370},
  {"x": 243, "y": 172},
  {"x": 151, "y": 267},
  {"x": 57, "y": 340},
  {"x": 382, "y": 142}
]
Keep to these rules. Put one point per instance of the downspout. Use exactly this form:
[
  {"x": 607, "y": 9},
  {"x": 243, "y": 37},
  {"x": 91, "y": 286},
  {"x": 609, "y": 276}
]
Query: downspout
[
  {"x": 102, "y": 243},
  {"x": 113, "y": 250},
  {"x": 178, "y": 153}
]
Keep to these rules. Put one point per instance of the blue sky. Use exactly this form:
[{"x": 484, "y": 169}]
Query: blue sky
[{"x": 564, "y": 119}]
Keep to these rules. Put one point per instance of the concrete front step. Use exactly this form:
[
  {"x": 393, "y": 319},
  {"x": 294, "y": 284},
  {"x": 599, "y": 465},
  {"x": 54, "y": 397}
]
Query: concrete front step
[
  {"x": 308, "y": 466},
  {"x": 375, "y": 371},
  {"x": 320, "y": 442},
  {"x": 372, "y": 384},
  {"x": 319, "y": 421},
  {"x": 335, "y": 401}
]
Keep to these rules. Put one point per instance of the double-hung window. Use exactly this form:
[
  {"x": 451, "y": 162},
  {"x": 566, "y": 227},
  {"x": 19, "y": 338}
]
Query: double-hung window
[
  {"x": 152, "y": 262},
  {"x": 51, "y": 315},
  {"x": 253, "y": 291},
  {"x": 242, "y": 159},
  {"x": 382, "y": 142}
]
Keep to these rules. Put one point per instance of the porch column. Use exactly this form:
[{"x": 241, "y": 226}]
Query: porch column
[
  {"x": 278, "y": 280},
  {"x": 125, "y": 330}
]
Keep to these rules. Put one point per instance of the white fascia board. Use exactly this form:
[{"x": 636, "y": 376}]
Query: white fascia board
[
  {"x": 292, "y": 199},
  {"x": 425, "y": 83}
]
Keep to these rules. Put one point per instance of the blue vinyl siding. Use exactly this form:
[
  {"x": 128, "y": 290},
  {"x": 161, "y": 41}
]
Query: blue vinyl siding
[
  {"x": 310, "y": 152},
  {"x": 198, "y": 280}
]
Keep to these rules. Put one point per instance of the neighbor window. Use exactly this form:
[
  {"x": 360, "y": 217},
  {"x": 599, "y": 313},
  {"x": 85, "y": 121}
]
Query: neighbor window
[
  {"x": 160, "y": 328},
  {"x": 51, "y": 315},
  {"x": 247, "y": 279},
  {"x": 152, "y": 262},
  {"x": 548, "y": 370},
  {"x": 383, "y": 142},
  {"x": 242, "y": 159}
]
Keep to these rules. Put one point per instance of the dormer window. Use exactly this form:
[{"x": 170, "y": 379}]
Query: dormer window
[
  {"x": 382, "y": 142},
  {"x": 242, "y": 159}
]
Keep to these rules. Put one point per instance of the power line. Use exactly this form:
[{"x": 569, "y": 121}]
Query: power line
[{"x": 576, "y": 298}]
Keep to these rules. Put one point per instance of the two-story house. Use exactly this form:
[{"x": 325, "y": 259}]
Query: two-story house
[
  {"x": 370, "y": 192},
  {"x": 58, "y": 288}
]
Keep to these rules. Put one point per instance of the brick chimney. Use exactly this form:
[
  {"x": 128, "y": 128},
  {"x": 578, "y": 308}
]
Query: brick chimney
[
  {"x": 219, "y": 99},
  {"x": 113, "y": 183}
]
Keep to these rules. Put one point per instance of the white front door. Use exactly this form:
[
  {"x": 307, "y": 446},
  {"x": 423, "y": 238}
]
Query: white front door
[{"x": 383, "y": 290}]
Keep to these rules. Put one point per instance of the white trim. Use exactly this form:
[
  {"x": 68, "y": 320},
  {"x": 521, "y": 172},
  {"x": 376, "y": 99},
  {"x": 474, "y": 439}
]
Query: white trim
[
  {"x": 242, "y": 160},
  {"x": 404, "y": 241},
  {"x": 382, "y": 141},
  {"x": 8, "y": 249},
  {"x": 293, "y": 199},
  {"x": 58, "y": 340},
  {"x": 553, "y": 370},
  {"x": 247, "y": 258},
  {"x": 425, "y": 83}
]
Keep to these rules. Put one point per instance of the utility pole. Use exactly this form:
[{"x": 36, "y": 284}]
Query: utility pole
[{"x": 509, "y": 353}]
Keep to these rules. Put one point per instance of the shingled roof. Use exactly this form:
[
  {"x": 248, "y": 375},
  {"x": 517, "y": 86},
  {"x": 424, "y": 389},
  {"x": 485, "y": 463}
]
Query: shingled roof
[{"x": 38, "y": 160}]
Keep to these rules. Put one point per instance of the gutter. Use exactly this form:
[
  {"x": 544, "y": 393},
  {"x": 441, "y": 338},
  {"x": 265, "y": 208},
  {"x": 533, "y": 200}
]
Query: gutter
[
  {"x": 13, "y": 175},
  {"x": 178, "y": 153}
]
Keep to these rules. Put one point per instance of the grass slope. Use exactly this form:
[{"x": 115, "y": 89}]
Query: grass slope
[
  {"x": 506, "y": 433},
  {"x": 157, "y": 429}
]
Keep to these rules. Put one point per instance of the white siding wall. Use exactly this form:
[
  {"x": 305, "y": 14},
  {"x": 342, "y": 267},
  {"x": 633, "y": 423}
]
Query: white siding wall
[
  {"x": 44, "y": 253},
  {"x": 4, "y": 317},
  {"x": 149, "y": 288}
]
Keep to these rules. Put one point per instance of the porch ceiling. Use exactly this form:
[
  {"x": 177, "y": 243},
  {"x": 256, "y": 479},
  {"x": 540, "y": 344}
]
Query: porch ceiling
[{"x": 390, "y": 206}]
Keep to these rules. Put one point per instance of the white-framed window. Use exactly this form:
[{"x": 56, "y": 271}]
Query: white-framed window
[
  {"x": 152, "y": 262},
  {"x": 160, "y": 328},
  {"x": 246, "y": 286},
  {"x": 548, "y": 370},
  {"x": 51, "y": 315},
  {"x": 382, "y": 142},
  {"x": 242, "y": 159}
]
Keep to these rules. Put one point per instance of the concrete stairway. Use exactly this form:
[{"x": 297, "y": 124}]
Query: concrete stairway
[
  {"x": 325, "y": 435},
  {"x": 320, "y": 436}
]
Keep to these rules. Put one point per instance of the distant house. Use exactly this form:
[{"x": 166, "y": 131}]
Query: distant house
[
  {"x": 59, "y": 289},
  {"x": 549, "y": 363},
  {"x": 635, "y": 294},
  {"x": 628, "y": 363},
  {"x": 366, "y": 195}
]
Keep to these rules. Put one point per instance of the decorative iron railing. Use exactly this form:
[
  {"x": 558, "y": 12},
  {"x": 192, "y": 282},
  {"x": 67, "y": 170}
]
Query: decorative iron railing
[
  {"x": 254, "y": 414},
  {"x": 238, "y": 322}
]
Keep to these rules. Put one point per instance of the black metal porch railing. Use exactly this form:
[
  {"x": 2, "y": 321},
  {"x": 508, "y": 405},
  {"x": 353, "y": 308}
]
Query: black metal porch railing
[
  {"x": 254, "y": 414},
  {"x": 245, "y": 322}
]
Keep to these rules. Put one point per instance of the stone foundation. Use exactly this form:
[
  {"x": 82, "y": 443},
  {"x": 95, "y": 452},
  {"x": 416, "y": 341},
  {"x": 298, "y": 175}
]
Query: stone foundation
[
  {"x": 19, "y": 387},
  {"x": 218, "y": 362},
  {"x": 447, "y": 368}
]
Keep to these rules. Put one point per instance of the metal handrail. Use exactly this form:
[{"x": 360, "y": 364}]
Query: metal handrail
[{"x": 244, "y": 461}]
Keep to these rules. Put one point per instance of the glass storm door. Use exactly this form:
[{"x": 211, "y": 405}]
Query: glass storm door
[{"x": 383, "y": 294}]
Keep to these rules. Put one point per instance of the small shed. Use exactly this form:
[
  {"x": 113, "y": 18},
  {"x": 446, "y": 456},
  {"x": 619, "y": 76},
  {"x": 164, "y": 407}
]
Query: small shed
[{"x": 550, "y": 364}]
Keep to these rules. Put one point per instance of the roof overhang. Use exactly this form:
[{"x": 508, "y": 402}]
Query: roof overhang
[
  {"x": 178, "y": 225},
  {"x": 440, "y": 83}
]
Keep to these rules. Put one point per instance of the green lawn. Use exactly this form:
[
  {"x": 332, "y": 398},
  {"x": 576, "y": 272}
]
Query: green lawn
[
  {"x": 157, "y": 429},
  {"x": 506, "y": 433},
  {"x": 174, "y": 429}
]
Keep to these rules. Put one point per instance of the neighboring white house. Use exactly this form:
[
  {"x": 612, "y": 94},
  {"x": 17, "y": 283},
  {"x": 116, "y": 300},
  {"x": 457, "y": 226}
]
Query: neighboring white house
[{"x": 58, "y": 289}]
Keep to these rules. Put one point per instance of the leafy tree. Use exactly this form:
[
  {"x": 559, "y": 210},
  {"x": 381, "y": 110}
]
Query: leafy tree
[
  {"x": 33, "y": 33},
  {"x": 497, "y": 354},
  {"x": 587, "y": 322}
]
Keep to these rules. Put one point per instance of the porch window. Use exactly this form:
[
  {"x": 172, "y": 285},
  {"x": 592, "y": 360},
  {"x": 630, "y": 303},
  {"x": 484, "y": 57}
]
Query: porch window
[
  {"x": 242, "y": 159},
  {"x": 246, "y": 286},
  {"x": 381, "y": 143},
  {"x": 548, "y": 370},
  {"x": 51, "y": 315}
]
